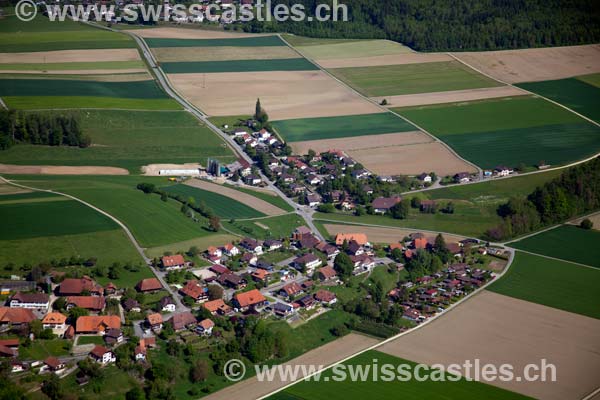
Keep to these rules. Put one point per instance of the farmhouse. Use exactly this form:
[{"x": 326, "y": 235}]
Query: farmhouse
[
  {"x": 382, "y": 205},
  {"x": 76, "y": 286},
  {"x": 55, "y": 321},
  {"x": 195, "y": 290},
  {"x": 173, "y": 262},
  {"x": 102, "y": 355},
  {"x": 97, "y": 324},
  {"x": 182, "y": 321},
  {"x": 148, "y": 285},
  {"x": 217, "y": 307},
  {"x": 92, "y": 303},
  {"x": 16, "y": 316},
  {"x": 246, "y": 300},
  {"x": 40, "y": 301}
]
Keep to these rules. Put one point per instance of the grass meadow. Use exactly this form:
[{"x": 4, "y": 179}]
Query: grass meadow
[
  {"x": 266, "y": 228},
  {"x": 566, "y": 286},
  {"x": 285, "y": 64},
  {"x": 297, "y": 130},
  {"x": 88, "y": 102},
  {"x": 389, "y": 80}
]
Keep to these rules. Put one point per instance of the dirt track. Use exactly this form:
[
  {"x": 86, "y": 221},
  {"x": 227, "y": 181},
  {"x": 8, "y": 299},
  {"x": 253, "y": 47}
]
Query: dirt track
[
  {"x": 324, "y": 355},
  {"x": 5, "y": 188},
  {"x": 411, "y": 159},
  {"x": 382, "y": 235},
  {"x": 284, "y": 95},
  {"x": 250, "y": 201},
  {"x": 531, "y": 65},
  {"x": 360, "y": 142},
  {"x": 188, "y": 33},
  {"x": 498, "y": 329},
  {"x": 65, "y": 56},
  {"x": 396, "y": 59},
  {"x": 409, "y": 100},
  {"x": 61, "y": 170}
]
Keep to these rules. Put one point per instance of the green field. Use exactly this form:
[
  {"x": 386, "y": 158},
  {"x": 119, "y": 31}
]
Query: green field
[
  {"x": 88, "y": 102},
  {"x": 389, "y": 80},
  {"x": 223, "y": 206},
  {"x": 285, "y": 64},
  {"x": 234, "y": 42},
  {"x": 592, "y": 79},
  {"x": 266, "y": 228},
  {"x": 295, "y": 40},
  {"x": 42, "y": 349},
  {"x": 129, "y": 140},
  {"x": 574, "y": 93},
  {"x": 90, "y": 340},
  {"x": 273, "y": 199},
  {"x": 509, "y": 131},
  {"x": 553, "y": 283},
  {"x": 329, "y": 388},
  {"x": 297, "y": 130},
  {"x": 567, "y": 242},
  {"x": 41, "y": 34},
  {"x": 325, "y": 49}
]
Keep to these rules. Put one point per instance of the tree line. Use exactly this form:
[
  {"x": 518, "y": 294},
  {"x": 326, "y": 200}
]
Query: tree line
[
  {"x": 429, "y": 25},
  {"x": 40, "y": 128},
  {"x": 575, "y": 192}
]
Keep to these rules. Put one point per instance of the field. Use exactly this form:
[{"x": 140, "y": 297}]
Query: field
[
  {"x": 256, "y": 41},
  {"x": 381, "y": 235},
  {"x": 536, "y": 131},
  {"x": 392, "y": 80},
  {"x": 566, "y": 242},
  {"x": 399, "y": 58},
  {"x": 350, "y": 49},
  {"x": 285, "y": 64},
  {"x": 88, "y": 102},
  {"x": 529, "y": 65},
  {"x": 249, "y": 198},
  {"x": 332, "y": 389},
  {"x": 71, "y": 56},
  {"x": 297, "y": 130},
  {"x": 266, "y": 228},
  {"x": 183, "y": 33},
  {"x": 41, "y": 349},
  {"x": 267, "y": 196},
  {"x": 552, "y": 283},
  {"x": 283, "y": 94},
  {"x": 224, "y": 207},
  {"x": 574, "y": 93},
  {"x": 498, "y": 329},
  {"x": 130, "y": 140},
  {"x": 225, "y": 53}
]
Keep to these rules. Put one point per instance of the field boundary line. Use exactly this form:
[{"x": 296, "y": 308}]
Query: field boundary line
[
  {"x": 592, "y": 395},
  {"x": 554, "y": 258},
  {"x": 391, "y": 339},
  {"x": 479, "y": 170}
]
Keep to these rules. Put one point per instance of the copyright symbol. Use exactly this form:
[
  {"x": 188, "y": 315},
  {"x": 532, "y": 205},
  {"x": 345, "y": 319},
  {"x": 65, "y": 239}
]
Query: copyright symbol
[
  {"x": 26, "y": 10},
  {"x": 234, "y": 370}
]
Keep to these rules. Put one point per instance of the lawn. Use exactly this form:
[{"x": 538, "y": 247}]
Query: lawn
[
  {"x": 567, "y": 242},
  {"x": 41, "y": 349},
  {"x": 90, "y": 340},
  {"x": 332, "y": 389},
  {"x": 553, "y": 283},
  {"x": 509, "y": 131},
  {"x": 266, "y": 228},
  {"x": 234, "y": 42},
  {"x": 130, "y": 140},
  {"x": 297, "y": 130},
  {"x": 286, "y": 64},
  {"x": 389, "y": 80},
  {"x": 113, "y": 384},
  {"x": 224, "y": 207},
  {"x": 574, "y": 93}
]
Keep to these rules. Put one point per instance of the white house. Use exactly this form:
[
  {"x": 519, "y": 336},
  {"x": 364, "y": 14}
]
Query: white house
[
  {"x": 231, "y": 250},
  {"x": 205, "y": 327},
  {"x": 308, "y": 261},
  {"x": 102, "y": 355},
  {"x": 30, "y": 300}
]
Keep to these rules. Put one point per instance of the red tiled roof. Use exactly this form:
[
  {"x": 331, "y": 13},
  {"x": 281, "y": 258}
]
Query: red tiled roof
[
  {"x": 54, "y": 318},
  {"x": 9, "y": 342},
  {"x": 31, "y": 297},
  {"x": 193, "y": 289},
  {"x": 97, "y": 323},
  {"x": 420, "y": 243},
  {"x": 52, "y": 362},
  {"x": 359, "y": 238},
  {"x": 99, "y": 351},
  {"x": 174, "y": 260},
  {"x": 88, "y": 302},
  {"x": 154, "y": 319},
  {"x": 328, "y": 272},
  {"x": 216, "y": 305},
  {"x": 16, "y": 315},
  {"x": 148, "y": 284},
  {"x": 206, "y": 324},
  {"x": 249, "y": 298},
  {"x": 385, "y": 203},
  {"x": 324, "y": 296},
  {"x": 74, "y": 286}
]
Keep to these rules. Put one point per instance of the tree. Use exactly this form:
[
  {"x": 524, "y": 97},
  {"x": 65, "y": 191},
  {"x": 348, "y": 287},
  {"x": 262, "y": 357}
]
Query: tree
[
  {"x": 135, "y": 394},
  {"x": 214, "y": 223},
  {"x": 586, "y": 224},
  {"x": 52, "y": 388},
  {"x": 199, "y": 371},
  {"x": 60, "y": 304},
  {"x": 215, "y": 292},
  {"x": 415, "y": 202},
  {"x": 343, "y": 265},
  {"x": 399, "y": 210},
  {"x": 77, "y": 312},
  {"x": 146, "y": 187},
  {"x": 260, "y": 114}
]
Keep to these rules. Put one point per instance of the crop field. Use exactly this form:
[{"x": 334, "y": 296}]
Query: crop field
[
  {"x": 89, "y": 102},
  {"x": 130, "y": 140},
  {"x": 286, "y": 64},
  {"x": 41, "y": 34},
  {"x": 566, "y": 242},
  {"x": 483, "y": 133},
  {"x": 297, "y": 130},
  {"x": 350, "y": 48},
  {"x": 223, "y": 206},
  {"x": 225, "y": 53},
  {"x": 266, "y": 228},
  {"x": 67, "y": 57},
  {"x": 576, "y": 94},
  {"x": 412, "y": 78},
  {"x": 552, "y": 283},
  {"x": 330, "y": 389},
  {"x": 258, "y": 41}
]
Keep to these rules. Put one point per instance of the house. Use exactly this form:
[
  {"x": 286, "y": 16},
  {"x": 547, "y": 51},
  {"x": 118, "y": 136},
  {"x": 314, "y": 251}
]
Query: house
[
  {"x": 131, "y": 305},
  {"x": 454, "y": 249},
  {"x": 205, "y": 327},
  {"x": 195, "y": 290},
  {"x": 252, "y": 180},
  {"x": 262, "y": 264},
  {"x": 240, "y": 132},
  {"x": 361, "y": 174},
  {"x": 462, "y": 177},
  {"x": 167, "y": 304},
  {"x": 300, "y": 232},
  {"x": 39, "y": 301},
  {"x": 154, "y": 321},
  {"x": 142, "y": 348},
  {"x": 382, "y": 205},
  {"x": 219, "y": 269},
  {"x": 325, "y": 297},
  {"x": 149, "y": 285},
  {"x": 16, "y": 366},
  {"x": 307, "y": 262},
  {"x": 308, "y": 242},
  {"x": 249, "y": 258},
  {"x": 8, "y": 286},
  {"x": 110, "y": 289},
  {"x": 6, "y": 351},
  {"x": 102, "y": 355},
  {"x": 260, "y": 275},
  {"x": 182, "y": 321},
  {"x": 252, "y": 245},
  {"x": 113, "y": 337},
  {"x": 52, "y": 364},
  {"x": 359, "y": 238},
  {"x": 174, "y": 262},
  {"x": 355, "y": 249},
  {"x": 214, "y": 253},
  {"x": 271, "y": 245},
  {"x": 290, "y": 290},
  {"x": 428, "y": 206},
  {"x": 307, "y": 302},
  {"x": 327, "y": 273},
  {"x": 217, "y": 307},
  {"x": 231, "y": 250},
  {"x": 313, "y": 180},
  {"x": 77, "y": 286},
  {"x": 16, "y": 317},
  {"x": 425, "y": 178},
  {"x": 97, "y": 324},
  {"x": 232, "y": 281},
  {"x": 412, "y": 315},
  {"x": 313, "y": 199},
  {"x": 330, "y": 250},
  {"x": 92, "y": 303},
  {"x": 503, "y": 170},
  {"x": 282, "y": 309},
  {"x": 55, "y": 321},
  {"x": 420, "y": 243},
  {"x": 250, "y": 299},
  {"x": 362, "y": 263}
]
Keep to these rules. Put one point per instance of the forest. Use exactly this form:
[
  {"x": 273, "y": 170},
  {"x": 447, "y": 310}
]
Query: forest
[
  {"x": 576, "y": 192},
  {"x": 462, "y": 25},
  {"x": 40, "y": 128}
]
